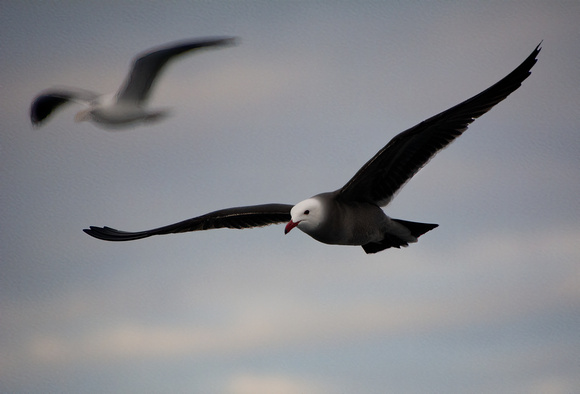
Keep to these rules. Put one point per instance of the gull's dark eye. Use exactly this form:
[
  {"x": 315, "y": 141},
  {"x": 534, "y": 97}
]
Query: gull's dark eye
[{"x": 306, "y": 212}]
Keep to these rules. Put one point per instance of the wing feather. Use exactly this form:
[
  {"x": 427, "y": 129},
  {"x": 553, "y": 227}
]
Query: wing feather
[{"x": 50, "y": 100}]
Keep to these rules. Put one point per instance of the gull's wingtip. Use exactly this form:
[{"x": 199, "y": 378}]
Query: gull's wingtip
[
  {"x": 111, "y": 234},
  {"x": 104, "y": 233},
  {"x": 93, "y": 231},
  {"x": 212, "y": 41},
  {"x": 538, "y": 47},
  {"x": 226, "y": 41},
  {"x": 37, "y": 113}
]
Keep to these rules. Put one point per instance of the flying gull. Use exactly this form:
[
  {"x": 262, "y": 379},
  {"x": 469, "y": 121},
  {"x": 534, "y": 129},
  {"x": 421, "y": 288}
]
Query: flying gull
[
  {"x": 352, "y": 215},
  {"x": 125, "y": 107}
]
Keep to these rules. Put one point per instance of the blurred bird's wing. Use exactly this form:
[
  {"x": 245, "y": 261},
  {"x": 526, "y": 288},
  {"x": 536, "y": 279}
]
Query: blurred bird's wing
[
  {"x": 147, "y": 66},
  {"x": 50, "y": 100}
]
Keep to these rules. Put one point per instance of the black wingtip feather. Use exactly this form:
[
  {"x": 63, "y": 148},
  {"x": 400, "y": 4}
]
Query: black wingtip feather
[
  {"x": 111, "y": 234},
  {"x": 43, "y": 106}
]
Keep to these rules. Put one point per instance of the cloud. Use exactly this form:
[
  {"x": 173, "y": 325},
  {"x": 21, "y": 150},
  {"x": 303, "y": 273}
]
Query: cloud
[
  {"x": 249, "y": 383},
  {"x": 503, "y": 277}
]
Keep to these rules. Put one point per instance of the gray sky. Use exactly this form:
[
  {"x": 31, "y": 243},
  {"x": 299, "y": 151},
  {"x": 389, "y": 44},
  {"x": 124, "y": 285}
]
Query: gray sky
[{"x": 488, "y": 302}]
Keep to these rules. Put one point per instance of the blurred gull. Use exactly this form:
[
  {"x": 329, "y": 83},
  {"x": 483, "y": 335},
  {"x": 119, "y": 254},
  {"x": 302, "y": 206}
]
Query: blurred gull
[
  {"x": 352, "y": 215},
  {"x": 126, "y": 107}
]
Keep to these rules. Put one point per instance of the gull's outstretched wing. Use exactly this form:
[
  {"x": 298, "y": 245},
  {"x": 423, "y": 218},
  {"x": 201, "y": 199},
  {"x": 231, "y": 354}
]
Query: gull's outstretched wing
[
  {"x": 146, "y": 66},
  {"x": 238, "y": 218},
  {"x": 50, "y": 100},
  {"x": 383, "y": 175}
]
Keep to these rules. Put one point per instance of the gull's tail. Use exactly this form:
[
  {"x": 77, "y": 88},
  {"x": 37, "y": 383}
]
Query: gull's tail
[{"x": 392, "y": 241}]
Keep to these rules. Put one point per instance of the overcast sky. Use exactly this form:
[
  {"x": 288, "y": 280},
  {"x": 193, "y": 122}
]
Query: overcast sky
[{"x": 488, "y": 302}]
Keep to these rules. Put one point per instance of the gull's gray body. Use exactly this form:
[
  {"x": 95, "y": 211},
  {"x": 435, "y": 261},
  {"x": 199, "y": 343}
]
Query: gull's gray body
[
  {"x": 344, "y": 223},
  {"x": 339, "y": 222},
  {"x": 352, "y": 215},
  {"x": 127, "y": 106}
]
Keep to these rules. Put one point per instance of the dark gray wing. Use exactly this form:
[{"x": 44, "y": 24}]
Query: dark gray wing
[
  {"x": 146, "y": 66},
  {"x": 239, "y": 218},
  {"x": 50, "y": 100},
  {"x": 383, "y": 175}
]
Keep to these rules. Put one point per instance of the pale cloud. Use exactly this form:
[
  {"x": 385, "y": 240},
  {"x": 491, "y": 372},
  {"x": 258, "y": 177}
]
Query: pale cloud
[
  {"x": 552, "y": 385},
  {"x": 277, "y": 317},
  {"x": 248, "y": 383},
  {"x": 570, "y": 288}
]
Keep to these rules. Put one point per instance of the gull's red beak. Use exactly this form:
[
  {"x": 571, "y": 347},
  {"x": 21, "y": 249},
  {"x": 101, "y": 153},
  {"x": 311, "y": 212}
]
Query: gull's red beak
[{"x": 290, "y": 226}]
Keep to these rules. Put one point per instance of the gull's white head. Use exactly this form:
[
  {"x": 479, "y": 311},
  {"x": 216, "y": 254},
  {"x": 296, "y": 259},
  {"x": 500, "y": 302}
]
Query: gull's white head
[{"x": 307, "y": 215}]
